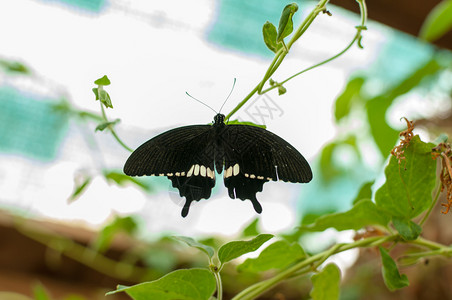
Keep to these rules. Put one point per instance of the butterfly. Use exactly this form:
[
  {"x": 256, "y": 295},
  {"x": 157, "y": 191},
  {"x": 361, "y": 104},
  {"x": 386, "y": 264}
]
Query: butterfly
[{"x": 189, "y": 156}]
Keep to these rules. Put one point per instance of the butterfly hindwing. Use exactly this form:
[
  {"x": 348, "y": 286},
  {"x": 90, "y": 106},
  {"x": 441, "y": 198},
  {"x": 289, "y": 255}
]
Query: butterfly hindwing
[
  {"x": 185, "y": 155},
  {"x": 254, "y": 156}
]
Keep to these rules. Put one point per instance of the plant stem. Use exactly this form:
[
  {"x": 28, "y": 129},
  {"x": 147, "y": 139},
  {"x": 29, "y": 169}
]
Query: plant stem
[
  {"x": 357, "y": 36},
  {"x": 112, "y": 130},
  {"x": 257, "y": 289},
  {"x": 429, "y": 244},
  {"x": 217, "y": 276},
  {"x": 280, "y": 55}
]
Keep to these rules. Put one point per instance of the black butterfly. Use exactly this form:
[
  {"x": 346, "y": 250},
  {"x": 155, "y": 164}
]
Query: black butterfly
[{"x": 189, "y": 156}]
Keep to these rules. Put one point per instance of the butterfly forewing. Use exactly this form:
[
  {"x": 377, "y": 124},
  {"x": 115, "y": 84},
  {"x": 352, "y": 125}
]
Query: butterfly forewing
[
  {"x": 262, "y": 153},
  {"x": 170, "y": 152}
]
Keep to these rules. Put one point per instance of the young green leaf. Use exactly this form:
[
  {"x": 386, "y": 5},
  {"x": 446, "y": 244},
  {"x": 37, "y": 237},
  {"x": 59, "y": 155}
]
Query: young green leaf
[
  {"x": 269, "y": 33},
  {"x": 281, "y": 90},
  {"x": 438, "y": 22},
  {"x": 105, "y": 99},
  {"x": 103, "y": 81},
  {"x": 278, "y": 255},
  {"x": 237, "y": 122},
  {"x": 407, "y": 191},
  {"x": 96, "y": 93},
  {"x": 326, "y": 283},
  {"x": 362, "y": 214},
  {"x": 80, "y": 188},
  {"x": 251, "y": 229},
  {"x": 285, "y": 22},
  {"x": 103, "y": 96},
  {"x": 408, "y": 229},
  {"x": 232, "y": 250},
  {"x": 391, "y": 275},
  {"x": 345, "y": 100},
  {"x": 102, "y": 126},
  {"x": 122, "y": 179},
  {"x": 192, "y": 243},
  {"x": 188, "y": 284}
]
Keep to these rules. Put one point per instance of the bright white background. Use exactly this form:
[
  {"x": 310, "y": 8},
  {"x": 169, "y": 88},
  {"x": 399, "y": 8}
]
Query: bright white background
[{"x": 153, "y": 52}]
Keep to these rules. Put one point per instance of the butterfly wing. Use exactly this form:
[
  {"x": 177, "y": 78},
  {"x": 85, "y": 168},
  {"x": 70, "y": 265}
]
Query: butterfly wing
[
  {"x": 185, "y": 155},
  {"x": 254, "y": 156}
]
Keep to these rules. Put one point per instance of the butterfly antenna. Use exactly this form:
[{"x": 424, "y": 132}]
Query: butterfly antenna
[
  {"x": 233, "y": 85},
  {"x": 201, "y": 102}
]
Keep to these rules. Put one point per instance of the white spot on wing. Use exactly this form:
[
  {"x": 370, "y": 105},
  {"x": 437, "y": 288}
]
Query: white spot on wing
[
  {"x": 228, "y": 172},
  {"x": 202, "y": 171},
  {"x": 210, "y": 173},
  {"x": 235, "y": 170},
  {"x": 196, "y": 171},
  {"x": 190, "y": 172}
]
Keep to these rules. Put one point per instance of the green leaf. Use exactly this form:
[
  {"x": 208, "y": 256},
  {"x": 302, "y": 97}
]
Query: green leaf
[
  {"x": 192, "y": 243},
  {"x": 14, "y": 67},
  {"x": 103, "y": 96},
  {"x": 407, "y": 191},
  {"x": 407, "y": 228},
  {"x": 385, "y": 137},
  {"x": 269, "y": 33},
  {"x": 285, "y": 22},
  {"x": 345, "y": 99},
  {"x": 232, "y": 250},
  {"x": 102, "y": 81},
  {"x": 365, "y": 192},
  {"x": 326, "y": 283},
  {"x": 278, "y": 255},
  {"x": 102, "y": 126},
  {"x": 391, "y": 275},
  {"x": 438, "y": 22},
  {"x": 96, "y": 92},
  {"x": 362, "y": 214},
  {"x": 107, "y": 234},
  {"x": 105, "y": 99},
  {"x": 281, "y": 90},
  {"x": 188, "y": 284},
  {"x": 251, "y": 229},
  {"x": 122, "y": 180},
  {"x": 237, "y": 122},
  {"x": 80, "y": 188},
  {"x": 328, "y": 167}
]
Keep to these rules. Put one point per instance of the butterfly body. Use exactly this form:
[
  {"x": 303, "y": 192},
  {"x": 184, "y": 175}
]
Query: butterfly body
[{"x": 189, "y": 156}]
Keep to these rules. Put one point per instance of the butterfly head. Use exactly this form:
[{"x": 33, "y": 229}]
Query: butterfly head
[{"x": 219, "y": 119}]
